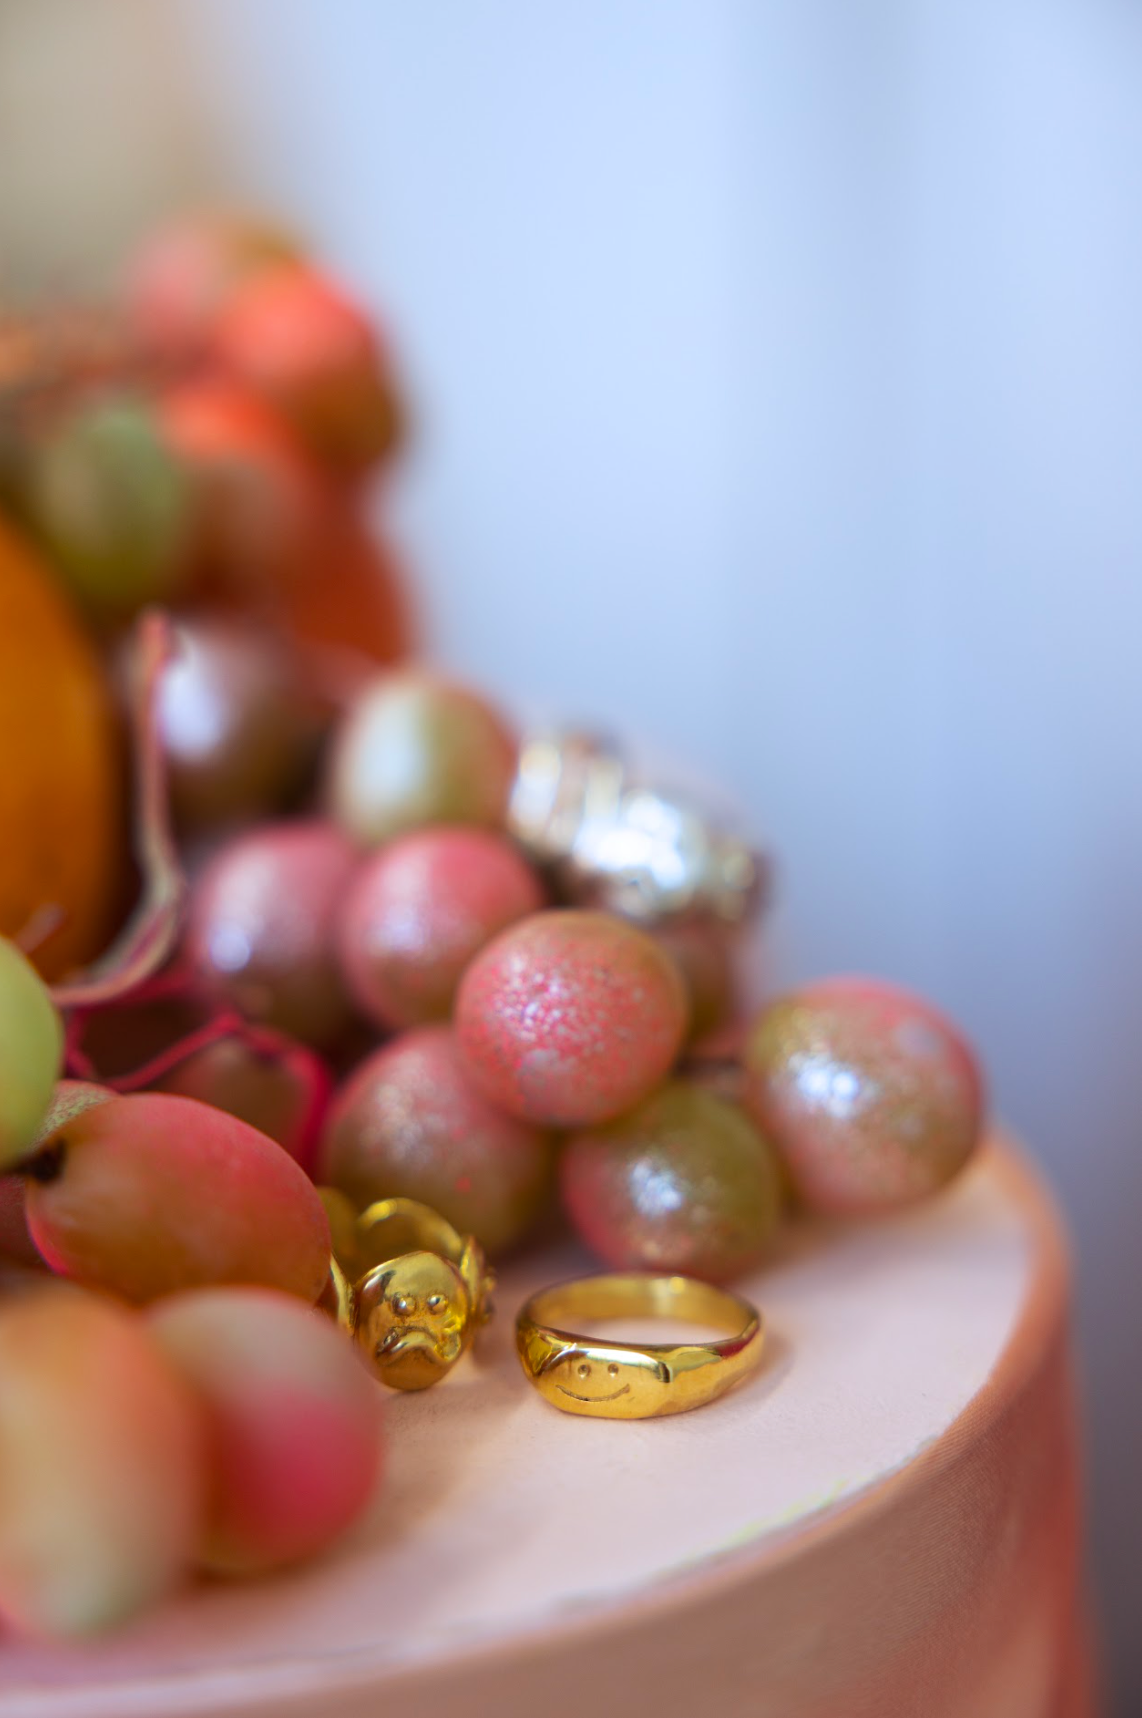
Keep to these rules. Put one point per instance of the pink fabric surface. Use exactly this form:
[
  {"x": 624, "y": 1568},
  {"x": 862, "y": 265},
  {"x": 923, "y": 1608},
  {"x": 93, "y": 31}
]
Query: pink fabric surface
[{"x": 946, "y": 1586}]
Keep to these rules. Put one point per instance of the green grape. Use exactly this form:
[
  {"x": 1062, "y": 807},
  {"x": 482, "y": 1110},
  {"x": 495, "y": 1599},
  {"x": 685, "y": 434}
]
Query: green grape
[
  {"x": 417, "y": 750},
  {"x": 683, "y": 1182},
  {"x": 113, "y": 505},
  {"x": 31, "y": 1050}
]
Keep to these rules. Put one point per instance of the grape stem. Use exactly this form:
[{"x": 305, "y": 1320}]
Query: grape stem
[
  {"x": 311, "y": 1072},
  {"x": 149, "y": 936}
]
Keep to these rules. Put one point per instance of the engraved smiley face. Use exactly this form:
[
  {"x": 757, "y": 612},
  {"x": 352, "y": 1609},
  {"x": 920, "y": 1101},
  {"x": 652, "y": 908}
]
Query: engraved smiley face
[
  {"x": 605, "y": 1381},
  {"x": 412, "y": 1317}
]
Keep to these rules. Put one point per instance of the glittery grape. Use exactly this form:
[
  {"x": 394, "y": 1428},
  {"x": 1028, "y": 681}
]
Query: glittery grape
[
  {"x": 31, "y": 1049},
  {"x": 415, "y": 750},
  {"x": 148, "y": 1194},
  {"x": 101, "y": 1450},
  {"x": 260, "y": 928},
  {"x": 568, "y": 1018},
  {"x": 419, "y": 910},
  {"x": 684, "y": 1182},
  {"x": 292, "y": 1423},
  {"x": 410, "y": 1122},
  {"x": 872, "y": 1097}
]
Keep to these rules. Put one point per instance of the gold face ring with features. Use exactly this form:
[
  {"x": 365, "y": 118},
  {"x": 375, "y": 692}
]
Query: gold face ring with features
[
  {"x": 408, "y": 1287},
  {"x": 635, "y": 1380}
]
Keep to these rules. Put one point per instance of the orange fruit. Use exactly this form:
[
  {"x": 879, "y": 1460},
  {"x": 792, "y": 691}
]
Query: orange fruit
[{"x": 60, "y": 768}]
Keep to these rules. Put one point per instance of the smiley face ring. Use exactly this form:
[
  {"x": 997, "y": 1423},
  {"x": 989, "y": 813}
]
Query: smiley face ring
[
  {"x": 409, "y": 1288},
  {"x": 630, "y": 1380}
]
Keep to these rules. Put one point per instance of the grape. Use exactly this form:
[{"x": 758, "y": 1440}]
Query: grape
[
  {"x": 184, "y": 274},
  {"x": 16, "y": 1245},
  {"x": 293, "y": 1422},
  {"x": 684, "y": 1182},
  {"x": 101, "y": 1450},
  {"x": 410, "y": 1122},
  {"x": 570, "y": 1017},
  {"x": 415, "y": 750},
  {"x": 113, "y": 505},
  {"x": 871, "y": 1095},
  {"x": 280, "y": 1089},
  {"x": 31, "y": 1050},
  {"x": 703, "y": 953},
  {"x": 234, "y": 733},
  {"x": 69, "y": 1099},
  {"x": 294, "y": 337},
  {"x": 147, "y": 1194},
  {"x": 262, "y": 506},
  {"x": 419, "y": 910},
  {"x": 358, "y": 609},
  {"x": 260, "y": 928}
]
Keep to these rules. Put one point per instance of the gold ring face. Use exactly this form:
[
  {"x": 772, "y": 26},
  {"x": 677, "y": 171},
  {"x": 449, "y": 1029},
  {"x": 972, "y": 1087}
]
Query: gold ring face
[
  {"x": 412, "y": 1317},
  {"x": 406, "y": 1286},
  {"x": 627, "y": 1380}
]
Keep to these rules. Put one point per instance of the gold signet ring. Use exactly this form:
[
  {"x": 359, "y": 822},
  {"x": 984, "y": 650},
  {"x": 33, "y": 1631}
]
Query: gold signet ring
[
  {"x": 634, "y": 1380},
  {"x": 408, "y": 1287}
]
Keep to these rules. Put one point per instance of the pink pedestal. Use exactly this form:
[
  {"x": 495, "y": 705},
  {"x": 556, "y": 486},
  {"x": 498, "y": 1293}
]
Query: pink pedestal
[{"x": 883, "y": 1524}]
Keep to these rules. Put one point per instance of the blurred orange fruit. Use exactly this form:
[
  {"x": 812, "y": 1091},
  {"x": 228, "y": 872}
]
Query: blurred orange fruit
[
  {"x": 355, "y": 600},
  {"x": 300, "y": 342},
  {"x": 60, "y": 768}
]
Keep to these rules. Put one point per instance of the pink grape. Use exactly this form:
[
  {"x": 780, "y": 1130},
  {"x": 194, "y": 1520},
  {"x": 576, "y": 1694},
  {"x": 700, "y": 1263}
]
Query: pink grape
[
  {"x": 151, "y": 1193},
  {"x": 417, "y": 912},
  {"x": 260, "y": 929},
  {"x": 872, "y": 1096},
  {"x": 296, "y": 338},
  {"x": 262, "y": 506},
  {"x": 410, "y": 1121},
  {"x": 102, "y": 1456},
  {"x": 570, "y": 1017},
  {"x": 293, "y": 1423},
  {"x": 282, "y": 1089},
  {"x": 185, "y": 272}
]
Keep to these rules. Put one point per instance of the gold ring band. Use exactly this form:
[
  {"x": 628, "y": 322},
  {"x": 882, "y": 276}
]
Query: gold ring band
[{"x": 634, "y": 1380}]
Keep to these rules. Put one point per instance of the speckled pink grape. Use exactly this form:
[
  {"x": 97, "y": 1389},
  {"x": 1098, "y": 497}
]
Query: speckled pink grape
[
  {"x": 410, "y": 1122},
  {"x": 419, "y": 910},
  {"x": 871, "y": 1095},
  {"x": 570, "y": 1017}
]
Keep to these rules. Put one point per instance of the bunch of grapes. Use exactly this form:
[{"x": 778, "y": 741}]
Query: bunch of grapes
[{"x": 376, "y": 981}]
